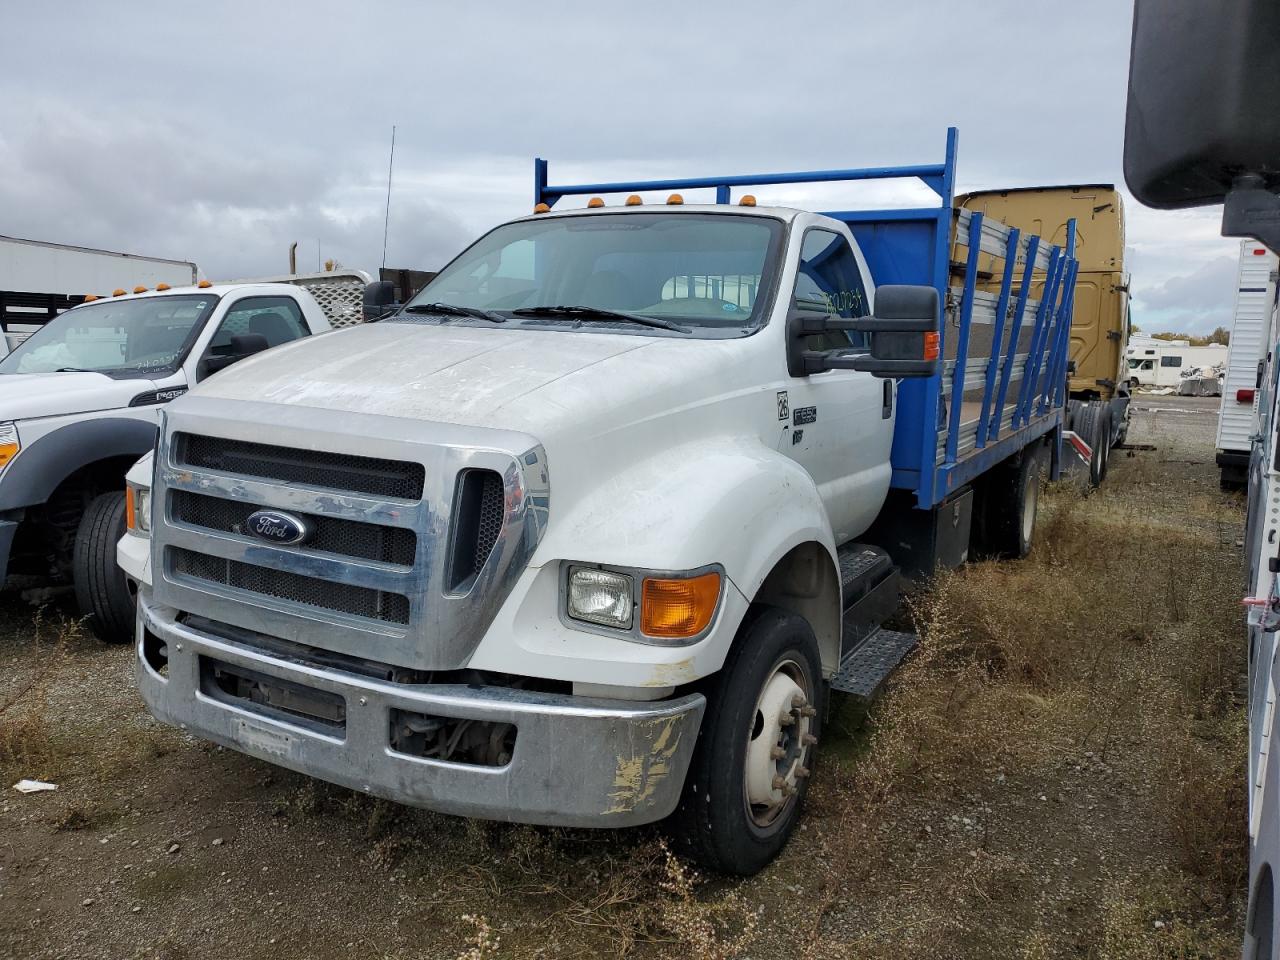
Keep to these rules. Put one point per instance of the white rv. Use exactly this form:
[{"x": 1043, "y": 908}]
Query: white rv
[
  {"x": 1162, "y": 366},
  {"x": 1250, "y": 337}
]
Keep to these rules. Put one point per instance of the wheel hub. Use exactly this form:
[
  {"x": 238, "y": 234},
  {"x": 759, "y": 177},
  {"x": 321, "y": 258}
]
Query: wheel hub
[{"x": 780, "y": 741}]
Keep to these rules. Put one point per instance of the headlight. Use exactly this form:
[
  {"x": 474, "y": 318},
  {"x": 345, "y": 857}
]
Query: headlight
[
  {"x": 137, "y": 509},
  {"x": 600, "y": 596},
  {"x": 673, "y": 608},
  {"x": 9, "y": 443}
]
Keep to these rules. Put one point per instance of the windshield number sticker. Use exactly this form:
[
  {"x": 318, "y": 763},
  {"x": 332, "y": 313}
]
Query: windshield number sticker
[{"x": 784, "y": 406}]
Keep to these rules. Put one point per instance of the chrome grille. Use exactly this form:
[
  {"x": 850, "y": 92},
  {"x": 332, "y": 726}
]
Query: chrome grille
[
  {"x": 336, "y": 471},
  {"x": 348, "y": 538},
  {"x": 293, "y": 587},
  {"x": 374, "y": 578}
]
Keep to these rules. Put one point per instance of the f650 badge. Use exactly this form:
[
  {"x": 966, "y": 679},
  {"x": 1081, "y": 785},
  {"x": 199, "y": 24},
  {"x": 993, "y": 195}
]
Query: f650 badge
[{"x": 278, "y": 527}]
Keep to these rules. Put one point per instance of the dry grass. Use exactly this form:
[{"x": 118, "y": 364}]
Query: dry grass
[
  {"x": 1116, "y": 646},
  {"x": 27, "y": 740}
]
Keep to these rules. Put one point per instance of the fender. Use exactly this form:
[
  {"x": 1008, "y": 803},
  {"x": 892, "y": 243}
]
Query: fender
[
  {"x": 38, "y": 469},
  {"x": 733, "y": 502}
]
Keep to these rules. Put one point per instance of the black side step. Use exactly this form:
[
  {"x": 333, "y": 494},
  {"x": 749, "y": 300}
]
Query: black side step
[
  {"x": 864, "y": 669},
  {"x": 870, "y": 586}
]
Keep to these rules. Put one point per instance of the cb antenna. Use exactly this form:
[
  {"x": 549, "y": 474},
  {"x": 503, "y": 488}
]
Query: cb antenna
[{"x": 386, "y": 223}]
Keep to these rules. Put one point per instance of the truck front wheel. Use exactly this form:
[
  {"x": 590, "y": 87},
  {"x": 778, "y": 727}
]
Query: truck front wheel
[
  {"x": 101, "y": 590},
  {"x": 755, "y": 751}
]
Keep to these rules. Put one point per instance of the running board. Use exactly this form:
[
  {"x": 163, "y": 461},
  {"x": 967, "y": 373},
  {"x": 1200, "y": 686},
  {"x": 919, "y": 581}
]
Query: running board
[{"x": 865, "y": 668}]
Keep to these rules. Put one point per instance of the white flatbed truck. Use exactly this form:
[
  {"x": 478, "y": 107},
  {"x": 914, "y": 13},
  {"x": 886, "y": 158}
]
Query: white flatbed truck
[{"x": 585, "y": 532}]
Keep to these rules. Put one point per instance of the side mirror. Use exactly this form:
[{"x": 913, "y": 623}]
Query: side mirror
[
  {"x": 379, "y": 299},
  {"x": 1201, "y": 125},
  {"x": 242, "y": 345},
  {"x": 904, "y": 336}
]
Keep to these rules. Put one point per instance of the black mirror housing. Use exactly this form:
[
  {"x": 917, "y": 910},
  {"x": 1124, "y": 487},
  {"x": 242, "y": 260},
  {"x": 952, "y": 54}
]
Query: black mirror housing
[
  {"x": 1203, "y": 90},
  {"x": 247, "y": 344},
  {"x": 379, "y": 299},
  {"x": 904, "y": 336},
  {"x": 242, "y": 345}
]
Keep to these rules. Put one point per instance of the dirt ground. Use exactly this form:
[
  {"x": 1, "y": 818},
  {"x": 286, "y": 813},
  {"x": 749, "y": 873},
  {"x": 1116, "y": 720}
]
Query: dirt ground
[{"x": 1057, "y": 773}]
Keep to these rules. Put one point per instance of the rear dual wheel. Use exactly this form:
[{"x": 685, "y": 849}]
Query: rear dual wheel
[
  {"x": 1006, "y": 505},
  {"x": 1092, "y": 421}
]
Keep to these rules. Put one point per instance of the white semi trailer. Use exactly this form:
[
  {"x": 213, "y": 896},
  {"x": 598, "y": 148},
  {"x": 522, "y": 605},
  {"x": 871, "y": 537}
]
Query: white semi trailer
[{"x": 40, "y": 280}]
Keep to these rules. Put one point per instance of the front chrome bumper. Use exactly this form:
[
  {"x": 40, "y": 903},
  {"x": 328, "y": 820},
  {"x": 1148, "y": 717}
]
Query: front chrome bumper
[{"x": 577, "y": 761}]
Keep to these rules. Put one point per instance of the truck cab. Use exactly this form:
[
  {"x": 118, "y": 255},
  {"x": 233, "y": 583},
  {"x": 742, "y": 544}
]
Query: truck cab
[
  {"x": 583, "y": 534},
  {"x": 79, "y": 403}
]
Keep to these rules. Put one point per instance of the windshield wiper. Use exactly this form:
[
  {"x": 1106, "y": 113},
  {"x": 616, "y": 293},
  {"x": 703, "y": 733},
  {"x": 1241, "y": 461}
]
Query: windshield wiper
[
  {"x": 453, "y": 310},
  {"x": 73, "y": 370},
  {"x": 599, "y": 313}
]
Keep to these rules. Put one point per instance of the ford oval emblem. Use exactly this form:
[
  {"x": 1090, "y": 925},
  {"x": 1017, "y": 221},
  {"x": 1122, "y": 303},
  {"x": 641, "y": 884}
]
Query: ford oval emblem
[{"x": 278, "y": 527}]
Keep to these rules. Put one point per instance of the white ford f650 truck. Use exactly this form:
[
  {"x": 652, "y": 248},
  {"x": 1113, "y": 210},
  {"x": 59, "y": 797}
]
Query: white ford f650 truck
[
  {"x": 79, "y": 403},
  {"x": 583, "y": 534}
]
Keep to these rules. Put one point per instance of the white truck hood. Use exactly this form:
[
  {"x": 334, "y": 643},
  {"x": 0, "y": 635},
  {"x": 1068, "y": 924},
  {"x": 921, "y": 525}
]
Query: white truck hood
[
  {"x": 27, "y": 396},
  {"x": 539, "y": 381}
]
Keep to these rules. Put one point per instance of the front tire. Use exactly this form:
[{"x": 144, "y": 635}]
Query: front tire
[
  {"x": 750, "y": 771},
  {"x": 101, "y": 590}
]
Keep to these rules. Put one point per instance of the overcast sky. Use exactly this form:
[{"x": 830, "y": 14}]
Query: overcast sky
[{"x": 221, "y": 132}]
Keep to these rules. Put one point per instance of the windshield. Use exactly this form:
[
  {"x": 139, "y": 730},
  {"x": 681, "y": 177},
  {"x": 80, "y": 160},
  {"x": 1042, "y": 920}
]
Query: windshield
[
  {"x": 146, "y": 337},
  {"x": 702, "y": 272}
]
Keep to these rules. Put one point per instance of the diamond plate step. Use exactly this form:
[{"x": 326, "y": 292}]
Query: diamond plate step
[
  {"x": 859, "y": 561},
  {"x": 866, "y": 667}
]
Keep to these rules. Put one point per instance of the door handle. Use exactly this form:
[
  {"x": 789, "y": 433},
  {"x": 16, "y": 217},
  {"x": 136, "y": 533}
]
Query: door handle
[{"x": 886, "y": 407}]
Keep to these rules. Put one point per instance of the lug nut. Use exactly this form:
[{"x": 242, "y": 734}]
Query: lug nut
[
  {"x": 786, "y": 720},
  {"x": 808, "y": 711},
  {"x": 798, "y": 701},
  {"x": 809, "y": 740},
  {"x": 777, "y": 753},
  {"x": 779, "y": 783},
  {"x": 802, "y": 772},
  {"x": 788, "y": 790}
]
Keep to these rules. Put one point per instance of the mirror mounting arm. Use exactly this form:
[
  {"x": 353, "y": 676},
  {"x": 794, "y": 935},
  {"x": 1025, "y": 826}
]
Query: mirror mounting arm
[{"x": 1251, "y": 210}]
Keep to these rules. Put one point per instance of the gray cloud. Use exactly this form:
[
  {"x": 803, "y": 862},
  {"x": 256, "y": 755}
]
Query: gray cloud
[{"x": 222, "y": 133}]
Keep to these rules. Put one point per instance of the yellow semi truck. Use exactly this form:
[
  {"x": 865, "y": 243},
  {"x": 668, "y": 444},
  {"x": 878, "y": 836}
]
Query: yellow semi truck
[{"x": 1098, "y": 409}]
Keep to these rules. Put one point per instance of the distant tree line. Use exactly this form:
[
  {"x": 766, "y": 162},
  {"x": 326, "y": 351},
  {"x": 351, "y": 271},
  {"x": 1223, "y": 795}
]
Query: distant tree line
[{"x": 1220, "y": 335}]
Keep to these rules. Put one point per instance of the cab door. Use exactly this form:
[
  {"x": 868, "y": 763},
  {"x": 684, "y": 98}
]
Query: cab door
[{"x": 839, "y": 423}]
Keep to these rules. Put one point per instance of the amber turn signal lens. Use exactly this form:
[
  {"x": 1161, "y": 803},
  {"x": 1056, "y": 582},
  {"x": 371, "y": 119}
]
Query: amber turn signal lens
[
  {"x": 130, "y": 510},
  {"x": 678, "y": 609},
  {"x": 930, "y": 347}
]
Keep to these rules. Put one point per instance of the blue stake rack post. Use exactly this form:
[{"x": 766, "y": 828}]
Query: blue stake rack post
[{"x": 943, "y": 437}]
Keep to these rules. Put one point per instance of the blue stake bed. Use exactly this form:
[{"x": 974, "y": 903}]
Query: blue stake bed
[{"x": 1003, "y": 381}]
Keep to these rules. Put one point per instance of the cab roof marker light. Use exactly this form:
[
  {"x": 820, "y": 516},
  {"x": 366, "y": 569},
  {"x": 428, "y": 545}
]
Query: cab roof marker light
[
  {"x": 118, "y": 292},
  {"x": 675, "y": 200},
  {"x": 595, "y": 202},
  {"x": 162, "y": 286},
  {"x": 139, "y": 289},
  {"x": 204, "y": 284},
  {"x": 542, "y": 208},
  {"x": 634, "y": 200},
  {"x": 747, "y": 200},
  {"x": 90, "y": 297}
]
